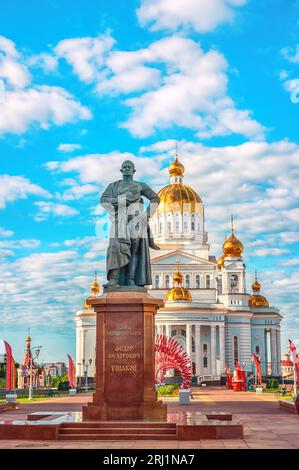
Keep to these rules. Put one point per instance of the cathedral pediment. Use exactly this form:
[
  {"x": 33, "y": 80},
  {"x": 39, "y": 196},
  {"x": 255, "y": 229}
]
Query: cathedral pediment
[
  {"x": 183, "y": 258},
  {"x": 233, "y": 265}
]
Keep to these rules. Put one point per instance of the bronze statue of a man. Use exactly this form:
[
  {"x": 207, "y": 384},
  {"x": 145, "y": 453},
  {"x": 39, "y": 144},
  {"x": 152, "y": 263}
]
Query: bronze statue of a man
[{"x": 128, "y": 260}]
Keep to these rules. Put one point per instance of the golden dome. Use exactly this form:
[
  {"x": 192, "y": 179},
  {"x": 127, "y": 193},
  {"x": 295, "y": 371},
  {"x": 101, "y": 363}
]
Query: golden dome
[
  {"x": 220, "y": 262},
  {"x": 178, "y": 294},
  {"x": 95, "y": 289},
  {"x": 232, "y": 247},
  {"x": 176, "y": 168},
  {"x": 256, "y": 286},
  {"x": 257, "y": 301},
  {"x": 86, "y": 306},
  {"x": 178, "y": 196},
  {"x": 178, "y": 278}
]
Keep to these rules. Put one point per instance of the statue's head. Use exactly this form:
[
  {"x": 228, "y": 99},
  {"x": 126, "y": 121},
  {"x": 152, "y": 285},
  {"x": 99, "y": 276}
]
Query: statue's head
[{"x": 128, "y": 168}]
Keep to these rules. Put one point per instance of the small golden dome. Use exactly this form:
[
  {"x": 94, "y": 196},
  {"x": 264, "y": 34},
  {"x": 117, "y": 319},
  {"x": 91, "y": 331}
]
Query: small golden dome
[
  {"x": 178, "y": 278},
  {"x": 86, "y": 306},
  {"x": 220, "y": 262},
  {"x": 95, "y": 288},
  {"x": 178, "y": 294},
  {"x": 232, "y": 247},
  {"x": 258, "y": 301},
  {"x": 28, "y": 339},
  {"x": 176, "y": 168},
  {"x": 256, "y": 286}
]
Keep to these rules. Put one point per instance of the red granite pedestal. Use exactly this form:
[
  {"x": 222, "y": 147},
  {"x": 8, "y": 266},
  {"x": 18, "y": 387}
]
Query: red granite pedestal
[{"x": 125, "y": 361}]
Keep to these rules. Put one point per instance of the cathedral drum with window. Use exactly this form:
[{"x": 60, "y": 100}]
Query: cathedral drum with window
[{"x": 207, "y": 308}]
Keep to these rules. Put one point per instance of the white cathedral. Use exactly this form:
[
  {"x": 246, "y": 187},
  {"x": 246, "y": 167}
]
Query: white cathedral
[{"x": 207, "y": 308}]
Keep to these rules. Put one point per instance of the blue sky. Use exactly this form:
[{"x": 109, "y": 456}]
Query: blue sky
[{"x": 88, "y": 84}]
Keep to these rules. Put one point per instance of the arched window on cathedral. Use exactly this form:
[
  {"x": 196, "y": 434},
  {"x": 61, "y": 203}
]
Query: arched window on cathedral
[
  {"x": 208, "y": 281},
  {"x": 187, "y": 281},
  {"x": 169, "y": 227},
  {"x": 160, "y": 227},
  {"x": 234, "y": 283},
  {"x": 197, "y": 281},
  {"x": 157, "y": 281},
  {"x": 167, "y": 281},
  {"x": 236, "y": 349},
  {"x": 193, "y": 223},
  {"x": 177, "y": 226},
  {"x": 185, "y": 227}
]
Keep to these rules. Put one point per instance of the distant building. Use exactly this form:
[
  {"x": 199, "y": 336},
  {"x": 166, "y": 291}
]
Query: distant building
[
  {"x": 287, "y": 367},
  {"x": 29, "y": 367},
  {"x": 2, "y": 358}
]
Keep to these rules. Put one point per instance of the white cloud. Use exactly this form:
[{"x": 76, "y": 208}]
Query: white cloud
[
  {"x": 42, "y": 106},
  {"x": 6, "y": 233},
  {"x": 290, "y": 262},
  {"x": 171, "y": 83},
  {"x": 271, "y": 252},
  {"x": 42, "y": 282},
  {"x": 47, "y": 209},
  {"x": 101, "y": 168},
  {"x": 202, "y": 15},
  {"x": 47, "y": 62},
  {"x": 18, "y": 187},
  {"x": 11, "y": 70},
  {"x": 25, "y": 105},
  {"x": 68, "y": 148},
  {"x": 86, "y": 55},
  {"x": 79, "y": 191}
]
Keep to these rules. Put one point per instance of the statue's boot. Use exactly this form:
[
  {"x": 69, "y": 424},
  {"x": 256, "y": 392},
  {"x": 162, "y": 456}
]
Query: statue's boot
[
  {"x": 113, "y": 278},
  {"x": 152, "y": 244},
  {"x": 151, "y": 241},
  {"x": 132, "y": 270}
]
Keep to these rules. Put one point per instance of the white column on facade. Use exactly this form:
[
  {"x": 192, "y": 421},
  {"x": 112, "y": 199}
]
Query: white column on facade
[
  {"x": 160, "y": 329},
  {"x": 213, "y": 349},
  {"x": 273, "y": 351},
  {"x": 278, "y": 351},
  {"x": 198, "y": 351},
  {"x": 189, "y": 339},
  {"x": 222, "y": 348},
  {"x": 168, "y": 330}
]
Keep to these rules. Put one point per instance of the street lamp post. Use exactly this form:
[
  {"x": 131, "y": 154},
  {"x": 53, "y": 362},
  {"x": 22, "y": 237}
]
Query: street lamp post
[
  {"x": 86, "y": 365},
  {"x": 36, "y": 354}
]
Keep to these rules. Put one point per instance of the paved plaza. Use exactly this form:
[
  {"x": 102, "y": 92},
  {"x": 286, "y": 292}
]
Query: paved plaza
[{"x": 265, "y": 425}]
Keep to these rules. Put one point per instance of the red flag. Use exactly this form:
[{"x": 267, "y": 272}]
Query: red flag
[
  {"x": 258, "y": 369},
  {"x": 238, "y": 365},
  {"x": 295, "y": 359},
  {"x": 72, "y": 372},
  {"x": 10, "y": 368}
]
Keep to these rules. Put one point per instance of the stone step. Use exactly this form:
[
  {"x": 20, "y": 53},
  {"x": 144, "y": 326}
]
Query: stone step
[
  {"x": 118, "y": 424},
  {"x": 152, "y": 431},
  {"x": 116, "y": 437}
]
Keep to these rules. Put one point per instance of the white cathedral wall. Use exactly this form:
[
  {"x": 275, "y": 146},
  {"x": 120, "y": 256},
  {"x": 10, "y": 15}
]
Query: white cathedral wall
[{"x": 85, "y": 342}]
